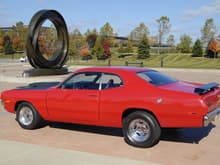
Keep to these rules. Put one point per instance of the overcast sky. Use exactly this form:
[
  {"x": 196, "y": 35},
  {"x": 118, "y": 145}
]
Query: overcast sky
[{"x": 186, "y": 16}]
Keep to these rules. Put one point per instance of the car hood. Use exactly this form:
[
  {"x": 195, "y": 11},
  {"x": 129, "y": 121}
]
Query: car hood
[
  {"x": 38, "y": 86},
  {"x": 181, "y": 86}
]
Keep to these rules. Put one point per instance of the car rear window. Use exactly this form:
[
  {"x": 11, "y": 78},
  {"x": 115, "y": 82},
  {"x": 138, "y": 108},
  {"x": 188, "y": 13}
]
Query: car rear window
[{"x": 156, "y": 78}]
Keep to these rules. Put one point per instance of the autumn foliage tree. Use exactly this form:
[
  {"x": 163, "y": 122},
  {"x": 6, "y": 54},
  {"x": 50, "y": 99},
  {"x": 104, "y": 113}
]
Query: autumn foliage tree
[
  {"x": 1, "y": 44},
  {"x": 15, "y": 43},
  {"x": 105, "y": 45},
  {"x": 85, "y": 53}
]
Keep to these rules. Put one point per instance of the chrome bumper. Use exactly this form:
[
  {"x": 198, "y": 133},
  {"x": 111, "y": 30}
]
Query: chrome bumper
[{"x": 211, "y": 116}]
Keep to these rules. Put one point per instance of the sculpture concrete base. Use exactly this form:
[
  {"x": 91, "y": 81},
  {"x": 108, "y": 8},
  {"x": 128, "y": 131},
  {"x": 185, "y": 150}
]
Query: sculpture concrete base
[{"x": 44, "y": 72}]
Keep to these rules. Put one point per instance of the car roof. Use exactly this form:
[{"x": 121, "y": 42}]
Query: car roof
[{"x": 114, "y": 69}]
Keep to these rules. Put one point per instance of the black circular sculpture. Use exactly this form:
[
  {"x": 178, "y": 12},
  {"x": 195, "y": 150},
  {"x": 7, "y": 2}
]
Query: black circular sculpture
[{"x": 35, "y": 56}]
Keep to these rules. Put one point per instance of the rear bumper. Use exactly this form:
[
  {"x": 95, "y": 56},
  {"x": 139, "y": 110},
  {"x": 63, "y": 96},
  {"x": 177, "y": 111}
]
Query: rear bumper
[{"x": 211, "y": 116}]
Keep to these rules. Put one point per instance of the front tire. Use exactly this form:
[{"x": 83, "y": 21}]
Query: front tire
[
  {"x": 28, "y": 117},
  {"x": 141, "y": 129}
]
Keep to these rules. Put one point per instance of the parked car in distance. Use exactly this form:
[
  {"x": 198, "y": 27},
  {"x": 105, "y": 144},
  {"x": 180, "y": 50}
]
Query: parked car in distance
[
  {"x": 23, "y": 59},
  {"x": 141, "y": 101}
]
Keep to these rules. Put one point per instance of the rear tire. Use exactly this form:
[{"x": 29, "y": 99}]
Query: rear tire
[
  {"x": 28, "y": 117},
  {"x": 141, "y": 129}
]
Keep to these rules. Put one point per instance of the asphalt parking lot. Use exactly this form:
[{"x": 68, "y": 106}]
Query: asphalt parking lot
[{"x": 76, "y": 144}]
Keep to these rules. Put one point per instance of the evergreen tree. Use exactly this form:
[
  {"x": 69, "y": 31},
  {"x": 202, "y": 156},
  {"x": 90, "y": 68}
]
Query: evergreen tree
[
  {"x": 197, "y": 49},
  {"x": 143, "y": 48},
  {"x": 8, "y": 49}
]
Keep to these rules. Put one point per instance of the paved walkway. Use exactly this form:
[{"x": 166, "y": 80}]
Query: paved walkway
[
  {"x": 54, "y": 145},
  {"x": 18, "y": 153}
]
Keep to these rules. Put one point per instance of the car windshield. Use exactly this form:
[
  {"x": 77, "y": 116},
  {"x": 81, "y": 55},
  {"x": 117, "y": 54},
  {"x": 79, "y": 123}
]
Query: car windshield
[{"x": 156, "y": 78}]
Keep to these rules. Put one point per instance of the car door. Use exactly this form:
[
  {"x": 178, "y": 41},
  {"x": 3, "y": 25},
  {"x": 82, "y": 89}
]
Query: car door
[
  {"x": 111, "y": 99},
  {"x": 76, "y": 100}
]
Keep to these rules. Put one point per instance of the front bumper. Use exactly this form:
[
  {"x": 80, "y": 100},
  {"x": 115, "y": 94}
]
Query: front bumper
[{"x": 211, "y": 116}]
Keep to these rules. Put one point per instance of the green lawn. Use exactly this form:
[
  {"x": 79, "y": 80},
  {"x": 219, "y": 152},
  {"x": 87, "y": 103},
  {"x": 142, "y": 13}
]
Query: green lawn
[
  {"x": 174, "y": 60},
  {"x": 169, "y": 61},
  {"x": 11, "y": 56}
]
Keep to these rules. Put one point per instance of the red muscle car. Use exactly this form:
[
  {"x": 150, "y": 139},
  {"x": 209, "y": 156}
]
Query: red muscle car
[{"x": 140, "y": 101}]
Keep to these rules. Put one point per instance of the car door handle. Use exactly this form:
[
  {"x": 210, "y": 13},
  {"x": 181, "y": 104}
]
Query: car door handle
[{"x": 93, "y": 95}]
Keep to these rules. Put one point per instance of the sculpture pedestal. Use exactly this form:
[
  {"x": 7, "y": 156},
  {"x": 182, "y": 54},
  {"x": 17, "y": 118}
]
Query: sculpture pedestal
[{"x": 44, "y": 72}]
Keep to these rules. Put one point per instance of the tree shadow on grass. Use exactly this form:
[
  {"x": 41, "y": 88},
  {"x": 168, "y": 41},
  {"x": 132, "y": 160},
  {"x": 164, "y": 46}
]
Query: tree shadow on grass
[{"x": 183, "y": 135}]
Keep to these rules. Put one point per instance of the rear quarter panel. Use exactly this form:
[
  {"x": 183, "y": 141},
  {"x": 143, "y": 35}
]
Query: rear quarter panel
[
  {"x": 176, "y": 109},
  {"x": 179, "y": 109}
]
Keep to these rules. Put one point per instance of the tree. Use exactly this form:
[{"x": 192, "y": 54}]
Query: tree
[
  {"x": 208, "y": 31},
  {"x": 1, "y": 44},
  {"x": 91, "y": 37},
  {"x": 76, "y": 33},
  {"x": 19, "y": 34},
  {"x": 76, "y": 41},
  {"x": 139, "y": 32},
  {"x": 185, "y": 44},
  {"x": 129, "y": 47},
  {"x": 8, "y": 49},
  {"x": 143, "y": 48},
  {"x": 98, "y": 50},
  {"x": 73, "y": 50},
  {"x": 125, "y": 47},
  {"x": 171, "y": 40},
  {"x": 85, "y": 53},
  {"x": 1, "y": 33},
  {"x": 106, "y": 32},
  {"x": 163, "y": 28},
  {"x": 107, "y": 52},
  {"x": 47, "y": 41},
  {"x": 197, "y": 49},
  {"x": 15, "y": 43}
]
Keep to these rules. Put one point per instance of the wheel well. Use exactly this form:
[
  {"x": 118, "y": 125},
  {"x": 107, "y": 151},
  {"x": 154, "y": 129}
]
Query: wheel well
[
  {"x": 131, "y": 110},
  {"x": 18, "y": 103}
]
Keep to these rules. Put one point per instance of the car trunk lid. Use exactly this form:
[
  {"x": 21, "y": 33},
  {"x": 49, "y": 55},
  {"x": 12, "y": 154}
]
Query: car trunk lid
[
  {"x": 209, "y": 93},
  {"x": 180, "y": 86}
]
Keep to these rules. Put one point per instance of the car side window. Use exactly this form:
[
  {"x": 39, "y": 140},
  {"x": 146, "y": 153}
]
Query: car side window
[
  {"x": 111, "y": 81},
  {"x": 87, "y": 80}
]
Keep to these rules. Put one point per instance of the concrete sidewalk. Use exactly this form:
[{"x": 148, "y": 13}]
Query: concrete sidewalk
[{"x": 12, "y": 152}]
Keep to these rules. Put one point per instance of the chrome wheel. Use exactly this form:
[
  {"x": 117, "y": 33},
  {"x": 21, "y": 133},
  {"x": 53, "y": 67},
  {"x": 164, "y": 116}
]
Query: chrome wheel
[
  {"x": 26, "y": 116},
  {"x": 139, "y": 130}
]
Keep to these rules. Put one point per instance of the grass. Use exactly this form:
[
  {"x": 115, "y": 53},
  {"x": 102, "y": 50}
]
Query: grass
[
  {"x": 172, "y": 60},
  {"x": 169, "y": 61},
  {"x": 11, "y": 56}
]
